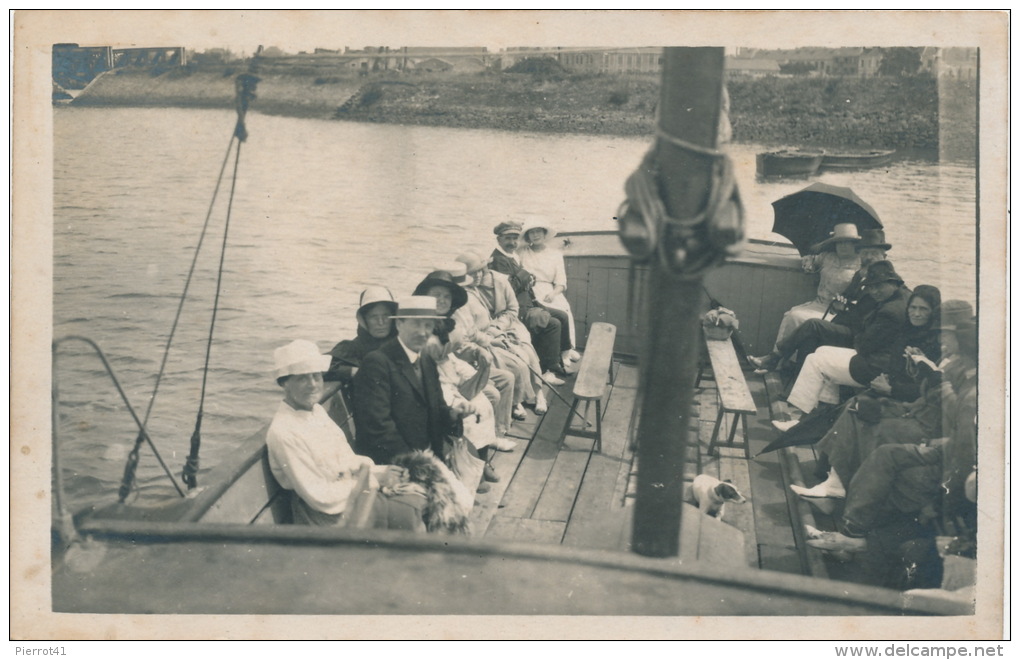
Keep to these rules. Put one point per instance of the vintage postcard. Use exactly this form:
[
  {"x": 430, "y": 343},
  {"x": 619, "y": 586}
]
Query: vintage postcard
[{"x": 702, "y": 316}]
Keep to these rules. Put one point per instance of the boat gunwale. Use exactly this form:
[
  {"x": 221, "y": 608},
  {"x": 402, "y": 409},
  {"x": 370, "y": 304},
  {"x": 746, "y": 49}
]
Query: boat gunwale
[{"x": 770, "y": 582}]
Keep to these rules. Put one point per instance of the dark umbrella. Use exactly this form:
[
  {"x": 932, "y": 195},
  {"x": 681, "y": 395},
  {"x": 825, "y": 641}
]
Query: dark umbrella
[
  {"x": 808, "y": 217},
  {"x": 811, "y": 428}
]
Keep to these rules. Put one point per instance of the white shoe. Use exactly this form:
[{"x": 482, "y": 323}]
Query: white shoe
[
  {"x": 550, "y": 378},
  {"x": 822, "y": 490},
  {"x": 541, "y": 407},
  {"x": 785, "y": 426},
  {"x": 503, "y": 444}
]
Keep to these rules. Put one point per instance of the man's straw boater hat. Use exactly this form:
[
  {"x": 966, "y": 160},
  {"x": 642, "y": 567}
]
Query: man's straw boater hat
[
  {"x": 299, "y": 357},
  {"x": 417, "y": 307}
]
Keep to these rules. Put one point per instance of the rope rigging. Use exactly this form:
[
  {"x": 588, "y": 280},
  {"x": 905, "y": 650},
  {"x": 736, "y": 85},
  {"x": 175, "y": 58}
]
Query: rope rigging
[{"x": 245, "y": 87}]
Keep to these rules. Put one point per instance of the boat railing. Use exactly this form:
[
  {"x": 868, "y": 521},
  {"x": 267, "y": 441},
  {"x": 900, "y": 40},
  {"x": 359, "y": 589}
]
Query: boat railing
[{"x": 63, "y": 522}]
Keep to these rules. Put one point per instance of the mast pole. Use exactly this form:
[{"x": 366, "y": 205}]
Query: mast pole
[{"x": 689, "y": 109}]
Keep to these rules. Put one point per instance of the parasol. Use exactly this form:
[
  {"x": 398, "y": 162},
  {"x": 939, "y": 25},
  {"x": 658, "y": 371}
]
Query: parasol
[{"x": 808, "y": 217}]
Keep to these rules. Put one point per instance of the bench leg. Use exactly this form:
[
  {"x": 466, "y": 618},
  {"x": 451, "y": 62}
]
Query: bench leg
[
  {"x": 733, "y": 428},
  {"x": 715, "y": 431},
  {"x": 570, "y": 416},
  {"x": 598, "y": 425}
]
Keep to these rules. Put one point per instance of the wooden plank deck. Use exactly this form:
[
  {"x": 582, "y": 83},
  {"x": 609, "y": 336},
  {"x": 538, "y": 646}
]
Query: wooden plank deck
[{"x": 557, "y": 489}]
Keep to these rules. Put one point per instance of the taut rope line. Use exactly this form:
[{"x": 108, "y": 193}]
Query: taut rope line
[
  {"x": 245, "y": 94},
  {"x": 129, "y": 470}
]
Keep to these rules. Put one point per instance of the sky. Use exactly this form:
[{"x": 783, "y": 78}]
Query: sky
[
  {"x": 305, "y": 30},
  {"x": 242, "y": 31}
]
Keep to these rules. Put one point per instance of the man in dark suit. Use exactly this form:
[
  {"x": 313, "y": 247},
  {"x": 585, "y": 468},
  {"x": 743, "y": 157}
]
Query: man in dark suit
[
  {"x": 399, "y": 405},
  {"x": 550, "y": 334}
]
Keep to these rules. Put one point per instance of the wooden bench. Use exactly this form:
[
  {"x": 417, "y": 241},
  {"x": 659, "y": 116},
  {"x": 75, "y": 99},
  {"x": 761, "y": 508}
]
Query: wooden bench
[
  {"x": 596, "y": 367},
  {"x": 734, "y": 395}
]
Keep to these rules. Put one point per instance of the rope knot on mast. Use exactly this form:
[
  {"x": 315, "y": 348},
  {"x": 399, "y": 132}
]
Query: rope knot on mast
[{"x": 689, "y": 246}]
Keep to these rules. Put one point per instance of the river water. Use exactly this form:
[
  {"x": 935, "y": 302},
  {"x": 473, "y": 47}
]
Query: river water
[{"x": 322, "y": 209}]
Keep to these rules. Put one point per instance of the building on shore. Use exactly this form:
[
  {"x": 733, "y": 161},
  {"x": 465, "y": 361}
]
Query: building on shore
[{"x": 74, "y": 66}]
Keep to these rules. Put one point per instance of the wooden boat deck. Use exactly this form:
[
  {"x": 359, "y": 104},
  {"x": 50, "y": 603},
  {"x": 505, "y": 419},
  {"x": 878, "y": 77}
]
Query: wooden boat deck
[{"x": 558, "y": 490}]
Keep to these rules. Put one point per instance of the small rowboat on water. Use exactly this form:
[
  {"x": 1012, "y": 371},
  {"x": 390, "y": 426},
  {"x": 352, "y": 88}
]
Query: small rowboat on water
[
  {"x": 789, "y": 163},
  {"x": 847, "y": 160}
]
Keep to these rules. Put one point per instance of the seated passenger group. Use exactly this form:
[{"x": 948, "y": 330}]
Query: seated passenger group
[
  {"x": 901, "y": 451},
  {"x": 459, "y": 359}
]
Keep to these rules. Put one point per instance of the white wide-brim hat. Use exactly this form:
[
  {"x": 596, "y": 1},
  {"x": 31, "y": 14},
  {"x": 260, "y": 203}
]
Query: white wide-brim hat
[
  {"x": 473, "y": 262},
  {"x": 843, "y": 232},
  {"x": 299, "y": 357},
  {"x": 417, "y": 307},
  {"x": 538, "y": 223},
  {"x": 376, "y": 294}
]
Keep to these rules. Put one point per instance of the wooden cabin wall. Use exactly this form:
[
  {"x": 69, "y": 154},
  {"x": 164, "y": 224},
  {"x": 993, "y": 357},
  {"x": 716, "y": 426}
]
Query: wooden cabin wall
[
  {"x": 597, "y": 288},
  {"x": 759, "y": 295}
]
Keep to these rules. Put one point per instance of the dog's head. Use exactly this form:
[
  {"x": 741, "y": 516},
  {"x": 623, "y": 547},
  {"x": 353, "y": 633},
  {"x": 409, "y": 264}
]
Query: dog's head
[
  {"x": 729, "y": 493},
  {"x": 421, "y": 467}
]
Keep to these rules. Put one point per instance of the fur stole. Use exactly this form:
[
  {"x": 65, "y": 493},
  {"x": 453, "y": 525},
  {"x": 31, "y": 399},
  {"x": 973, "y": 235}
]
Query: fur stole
[{"x": 445, "y": 508}]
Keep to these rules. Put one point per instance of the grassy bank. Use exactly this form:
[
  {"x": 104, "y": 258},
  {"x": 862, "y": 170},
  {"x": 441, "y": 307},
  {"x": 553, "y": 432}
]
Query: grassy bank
[{"x": 823, "y": 112}]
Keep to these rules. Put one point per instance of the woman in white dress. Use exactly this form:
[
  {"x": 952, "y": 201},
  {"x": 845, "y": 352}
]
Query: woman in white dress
[
  {"x": 546, "y": 264},
  {"x": 835, "y": 260}
]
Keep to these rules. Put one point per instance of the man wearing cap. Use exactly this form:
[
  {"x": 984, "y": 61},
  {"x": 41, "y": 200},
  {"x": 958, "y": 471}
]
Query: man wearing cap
[
  {"x": 398, "y": 402},
  {"x": 550, "y": 333},
  {"x": 309, "y": 454},
  {"x": 853, "y": 304},
  {"x": 873, "y": 348}
]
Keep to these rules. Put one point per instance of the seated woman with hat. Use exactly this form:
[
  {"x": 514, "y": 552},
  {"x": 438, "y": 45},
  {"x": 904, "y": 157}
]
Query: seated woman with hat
[
  {"x": 899, "y": 487},
  {"x": 491, "y": 319},
  {"x": 546, "y": 264},
  {"x": 884, "y": 415},
  {"x": 835, "y": 260},
  {"x": 445, "y": 287},
  {"x": 850, "y": 306},
  {"x": 376, "y": 306},
  {"x": 310, "y": 456}
]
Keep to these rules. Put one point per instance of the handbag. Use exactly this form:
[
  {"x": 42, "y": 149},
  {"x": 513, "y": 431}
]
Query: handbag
[{"x": 466, "y": 464}]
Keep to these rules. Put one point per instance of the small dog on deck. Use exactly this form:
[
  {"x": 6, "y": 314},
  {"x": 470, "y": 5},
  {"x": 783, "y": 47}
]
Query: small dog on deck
[
  {"x": 711, "y": 495},
  {"x": 447, "y": 507}
]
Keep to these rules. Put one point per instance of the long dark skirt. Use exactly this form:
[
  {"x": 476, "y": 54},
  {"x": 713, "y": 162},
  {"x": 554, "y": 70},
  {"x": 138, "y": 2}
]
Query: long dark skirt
[{"x": 851, "y": 439}]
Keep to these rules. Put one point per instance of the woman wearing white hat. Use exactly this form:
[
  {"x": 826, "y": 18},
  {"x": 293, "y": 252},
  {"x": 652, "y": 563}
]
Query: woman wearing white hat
[
  {"x": 835, "y": 260},
  {"x": 309, "y": 454},
  {"x": 546, "y": 264}
]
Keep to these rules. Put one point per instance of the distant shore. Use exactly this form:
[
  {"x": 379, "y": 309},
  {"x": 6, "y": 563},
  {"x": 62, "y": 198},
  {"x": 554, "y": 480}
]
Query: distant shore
[{"x": 795, "y": 112}]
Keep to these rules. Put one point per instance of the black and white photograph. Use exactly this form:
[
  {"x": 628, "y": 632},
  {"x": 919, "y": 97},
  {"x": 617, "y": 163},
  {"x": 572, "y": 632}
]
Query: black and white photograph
[{"x": 509, "y": 324}]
